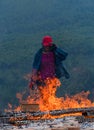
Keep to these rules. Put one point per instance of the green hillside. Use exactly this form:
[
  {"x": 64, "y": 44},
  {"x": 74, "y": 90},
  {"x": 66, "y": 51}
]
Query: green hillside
[{"x": 23, "y": 24}]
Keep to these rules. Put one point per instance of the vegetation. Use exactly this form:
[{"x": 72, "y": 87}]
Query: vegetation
[{"x": 23, "y": 24}]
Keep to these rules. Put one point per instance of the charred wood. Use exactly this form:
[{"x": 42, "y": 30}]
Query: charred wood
[{"x": 19, "y": 118}]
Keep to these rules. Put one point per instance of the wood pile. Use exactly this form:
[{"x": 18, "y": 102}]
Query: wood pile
[
  {"x": 26, "y": 116},
  {"x": 68, "y": 128}
]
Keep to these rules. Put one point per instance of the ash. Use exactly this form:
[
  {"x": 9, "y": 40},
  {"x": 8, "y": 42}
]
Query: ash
[{"x": 62, "y": 123}]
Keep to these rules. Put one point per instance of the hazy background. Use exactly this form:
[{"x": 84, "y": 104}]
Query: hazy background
[{"x": 23, "y": 23}]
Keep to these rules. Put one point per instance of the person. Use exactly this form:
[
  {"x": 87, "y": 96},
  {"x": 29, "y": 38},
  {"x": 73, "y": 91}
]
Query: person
[{"x": 48, "y": 63}]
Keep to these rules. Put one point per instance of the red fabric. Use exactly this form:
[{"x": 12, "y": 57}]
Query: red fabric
[
  {"x": 47, "y": 65},
  {"x": 47, "y": 41}
]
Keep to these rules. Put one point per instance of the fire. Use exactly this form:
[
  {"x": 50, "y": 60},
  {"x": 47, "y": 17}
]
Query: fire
[{"x": 47, "y": 100}]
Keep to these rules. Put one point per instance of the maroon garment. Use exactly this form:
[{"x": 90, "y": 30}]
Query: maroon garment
[{"x": 47, "y": 68}]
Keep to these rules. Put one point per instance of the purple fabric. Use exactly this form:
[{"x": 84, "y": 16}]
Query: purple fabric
[{"x": 47, "y": 65}]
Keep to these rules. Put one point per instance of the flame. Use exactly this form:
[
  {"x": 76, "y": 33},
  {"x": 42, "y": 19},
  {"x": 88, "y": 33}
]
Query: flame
[
  {"x": 47, "y": 100},
  {"x": 9, "y": 108}
]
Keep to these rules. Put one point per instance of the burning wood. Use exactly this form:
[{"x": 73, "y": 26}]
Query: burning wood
[
  {"x": 48, "y": 106},
  {"x": 74, "y": 110},
  {"x": 20, "y": 118},
  {"x": 73, "y": 128}
]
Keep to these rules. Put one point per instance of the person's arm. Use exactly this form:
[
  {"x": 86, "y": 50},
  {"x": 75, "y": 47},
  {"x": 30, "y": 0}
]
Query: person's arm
[
  {"x": 36, "y": 64},
  {"x": 61, "y": 54},
  {"x": 35, "y": 68}
]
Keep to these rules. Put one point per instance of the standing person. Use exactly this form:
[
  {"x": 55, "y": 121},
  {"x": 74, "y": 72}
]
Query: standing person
[{"x": 48, "y": 62}]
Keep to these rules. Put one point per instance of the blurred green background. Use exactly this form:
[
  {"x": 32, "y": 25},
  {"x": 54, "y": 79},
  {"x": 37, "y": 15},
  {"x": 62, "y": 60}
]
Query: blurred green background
[{"x": 23, "y": 23}]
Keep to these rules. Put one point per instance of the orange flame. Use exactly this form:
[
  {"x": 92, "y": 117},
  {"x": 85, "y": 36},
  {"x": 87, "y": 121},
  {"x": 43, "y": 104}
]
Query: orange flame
[{"x": 47, "y": 99}]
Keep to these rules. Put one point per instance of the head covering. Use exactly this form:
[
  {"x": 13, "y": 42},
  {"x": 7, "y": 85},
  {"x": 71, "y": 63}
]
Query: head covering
[{"x": 47, "y": 41}]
